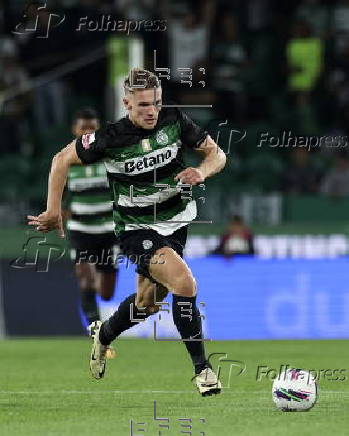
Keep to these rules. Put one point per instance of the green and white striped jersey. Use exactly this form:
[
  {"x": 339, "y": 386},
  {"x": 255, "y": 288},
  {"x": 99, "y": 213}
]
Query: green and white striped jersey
[
  {"x": 90, "y": 202},
  {"x": 141, "y": 165}
]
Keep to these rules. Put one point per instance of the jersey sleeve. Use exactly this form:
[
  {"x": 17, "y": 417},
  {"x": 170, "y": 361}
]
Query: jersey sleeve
[
  {"x": 192, "y": 135},
  {"x": 91, "y": 147}
]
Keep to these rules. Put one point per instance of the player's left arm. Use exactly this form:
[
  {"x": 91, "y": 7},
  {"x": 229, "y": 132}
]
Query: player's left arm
[{"x": 213, "y": 162}]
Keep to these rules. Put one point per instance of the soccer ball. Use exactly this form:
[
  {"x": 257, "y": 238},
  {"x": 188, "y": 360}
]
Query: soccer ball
[{"x": 294, "y": 390}]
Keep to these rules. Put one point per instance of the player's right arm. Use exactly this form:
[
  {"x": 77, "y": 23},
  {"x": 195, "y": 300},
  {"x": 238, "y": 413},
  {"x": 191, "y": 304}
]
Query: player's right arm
[
  {"x": 87, "y": 149},
  {"x": 51, "y": 219}
]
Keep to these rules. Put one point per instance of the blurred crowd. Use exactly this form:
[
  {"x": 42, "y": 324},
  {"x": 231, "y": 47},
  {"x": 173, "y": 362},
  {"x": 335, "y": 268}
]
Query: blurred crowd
[
  {"x": 264, "y": 65},
  {"x": 236, "y": 240}
]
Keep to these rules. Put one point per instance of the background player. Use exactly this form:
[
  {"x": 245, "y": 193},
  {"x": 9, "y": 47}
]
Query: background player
[
  {"x": 132, "y": 148},
  {"x": 90, "y": 224}
]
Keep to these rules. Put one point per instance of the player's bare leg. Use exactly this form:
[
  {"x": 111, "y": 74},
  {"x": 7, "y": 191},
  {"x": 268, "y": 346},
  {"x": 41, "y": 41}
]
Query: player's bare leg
[
  {"x": 149, "y": 293},
  {"x": 175, "y": 275}
]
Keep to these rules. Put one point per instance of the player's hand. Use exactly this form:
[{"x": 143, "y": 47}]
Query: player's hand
[
  {"x": 190, "y": 175},
  {"x": 47, "y": 221}
]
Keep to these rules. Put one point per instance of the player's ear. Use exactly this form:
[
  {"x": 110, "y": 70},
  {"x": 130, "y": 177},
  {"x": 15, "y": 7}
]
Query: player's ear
[{"x": 127, "y": 103}]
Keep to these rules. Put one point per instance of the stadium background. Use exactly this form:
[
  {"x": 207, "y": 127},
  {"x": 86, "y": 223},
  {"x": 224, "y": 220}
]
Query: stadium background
[
  {"x": 272, "y": 70},
  {"x": 275, "y": 73}
]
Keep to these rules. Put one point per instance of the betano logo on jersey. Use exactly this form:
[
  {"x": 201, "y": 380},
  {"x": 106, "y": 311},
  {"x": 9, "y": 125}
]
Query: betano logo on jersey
[{"x": 147, "y": 162}]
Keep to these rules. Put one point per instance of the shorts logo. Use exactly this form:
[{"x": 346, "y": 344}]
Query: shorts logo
[
  {"x": 147, "y": 244},
  {"x": 161, "y": 138},
  {"x": 87, "y": 140}
]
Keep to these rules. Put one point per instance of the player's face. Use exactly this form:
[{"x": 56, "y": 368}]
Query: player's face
[
  {"x": 143, "y": 107},
  {"x": 83, "y": 126}
]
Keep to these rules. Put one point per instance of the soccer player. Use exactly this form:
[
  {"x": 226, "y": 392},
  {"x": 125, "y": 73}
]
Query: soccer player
[
  {"x": 90, "y": 224},
  {"x": 143, "y": 156}
]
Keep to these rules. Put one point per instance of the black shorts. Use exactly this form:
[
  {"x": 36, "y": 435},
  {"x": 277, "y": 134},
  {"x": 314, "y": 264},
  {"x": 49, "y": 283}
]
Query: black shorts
[
  {"x": 96, "y": 249},
  {"x": 140, "y": 245}
]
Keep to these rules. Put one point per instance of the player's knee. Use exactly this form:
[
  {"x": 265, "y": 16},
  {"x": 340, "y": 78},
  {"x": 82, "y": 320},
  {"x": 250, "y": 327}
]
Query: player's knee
[
  {"x": 141, "y": 302},
  {"x": 185, "y": 285},
  {"x": 153, "y": 309},
  {"x": 144, "y": 301},
  {"x": 147, "y": 305}
]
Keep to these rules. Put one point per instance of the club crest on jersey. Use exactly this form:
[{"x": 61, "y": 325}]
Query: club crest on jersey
[
  {"x": 146, "y": 145},
  {"x": 87, "y": 140},
  {"x": 147, "y": 244},
  {"x": 161, "y": 138}
]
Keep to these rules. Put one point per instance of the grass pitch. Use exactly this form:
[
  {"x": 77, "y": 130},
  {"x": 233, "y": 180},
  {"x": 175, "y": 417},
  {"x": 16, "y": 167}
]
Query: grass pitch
[{"x": 46, "y": 390}]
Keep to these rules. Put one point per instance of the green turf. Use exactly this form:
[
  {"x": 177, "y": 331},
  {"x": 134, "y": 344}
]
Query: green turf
[{"x": 46, "y": 390}]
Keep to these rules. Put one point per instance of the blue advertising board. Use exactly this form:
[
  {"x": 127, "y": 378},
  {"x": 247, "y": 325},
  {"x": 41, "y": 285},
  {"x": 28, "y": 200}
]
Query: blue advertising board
[{"x": 253, "y": 298}]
